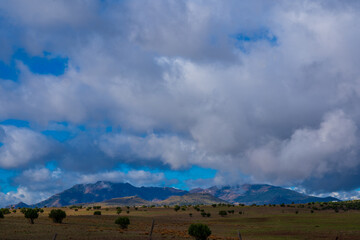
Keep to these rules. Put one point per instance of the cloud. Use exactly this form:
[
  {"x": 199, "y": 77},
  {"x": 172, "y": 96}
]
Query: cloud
[
  {"x": 185, "y": 91},
  {"x": 22, "y": 146},
  {"x": 308, "y": 152}
]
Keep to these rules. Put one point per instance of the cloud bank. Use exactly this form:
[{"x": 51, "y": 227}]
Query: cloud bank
[{"x": 260, "y": 91}]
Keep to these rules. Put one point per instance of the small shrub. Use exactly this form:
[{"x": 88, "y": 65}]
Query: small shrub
[
  {"x": 222, "y": 213},
  {"x": 312, "y": 211},
  {"x": 297, "y": 212},
  {"x": 14, "y": 211},
  {"x": 177, "y": 208},
  {"x": 203, "y": 214},
  {"x": 1, "y": 214},
  {"x": 57, "y": 215},
  {"x": 123, "y": 222},
  {"x": 199, "y": 231},
  {"x": 31, "y": 214},
  {"x": 190, "y": 214},
  {"x": 97, "y": 213},
  {"x": 213, "y": 205},
  {"x": 118, "y": 210},
  {"x": 208, "y": 214},
  {"x": 127, "y": 211}
]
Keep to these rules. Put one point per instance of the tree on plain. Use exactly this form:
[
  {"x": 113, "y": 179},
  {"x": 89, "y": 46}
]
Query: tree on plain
[{"x": 57, "y": 215}]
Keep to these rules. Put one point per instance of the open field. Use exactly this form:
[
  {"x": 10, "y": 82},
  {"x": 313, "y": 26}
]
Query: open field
[{"x": 261, "y": 222}]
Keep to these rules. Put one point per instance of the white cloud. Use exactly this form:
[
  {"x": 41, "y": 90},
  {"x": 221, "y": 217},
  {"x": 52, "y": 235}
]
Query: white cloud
[
  {"x": 22, "y": 146},
  {"x": 281, "y": 112}
]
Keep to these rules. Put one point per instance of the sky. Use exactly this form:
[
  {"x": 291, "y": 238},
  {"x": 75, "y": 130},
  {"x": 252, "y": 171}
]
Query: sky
[{"x": 186, "y": 94}]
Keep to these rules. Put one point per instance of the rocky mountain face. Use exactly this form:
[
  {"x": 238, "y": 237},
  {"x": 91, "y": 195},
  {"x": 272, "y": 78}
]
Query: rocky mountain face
[
  {"x": 100, "y": 191},
  {"x": 260, "y": 194}
]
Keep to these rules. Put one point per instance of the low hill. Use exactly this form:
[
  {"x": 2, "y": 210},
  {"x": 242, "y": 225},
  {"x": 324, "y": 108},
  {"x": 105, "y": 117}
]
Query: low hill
[
  {"x": 192, "y": 199},
  {"x": 260, "y": 194},
  {"x": 18, "y": 205},
  {"x": 126, "y": 201}
]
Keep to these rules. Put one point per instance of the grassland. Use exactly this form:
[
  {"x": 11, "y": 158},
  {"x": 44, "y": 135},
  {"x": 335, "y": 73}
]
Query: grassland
[{"x": 256, "y": 222}]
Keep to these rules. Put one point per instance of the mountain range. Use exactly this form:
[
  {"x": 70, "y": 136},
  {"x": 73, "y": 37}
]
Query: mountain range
[
  {"x": 260, "y": 194},
  {"x": 126, "y": 194}
]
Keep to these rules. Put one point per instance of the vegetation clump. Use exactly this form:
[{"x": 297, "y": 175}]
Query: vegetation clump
[
  {"x": 118, "y": 210},
  {"x": 97, "y": 213},
  {"x": 31, "y": 214},
  {"x": 123, "y": 222},
  {"x": 199, "y": 231},
  {"x": 222, "y": 213},
  {"x": 57, "y": 215},
  {"x": 1, "y": 214}
]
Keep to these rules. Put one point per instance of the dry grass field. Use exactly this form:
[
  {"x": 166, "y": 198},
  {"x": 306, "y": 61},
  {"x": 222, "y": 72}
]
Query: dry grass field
[{"x": 262, "y": 222}]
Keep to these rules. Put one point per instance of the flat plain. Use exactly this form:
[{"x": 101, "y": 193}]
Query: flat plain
[{"x": 255, "y": 222}]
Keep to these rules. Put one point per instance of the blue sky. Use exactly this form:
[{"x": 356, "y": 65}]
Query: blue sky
[{"x": 181, "y": 94}]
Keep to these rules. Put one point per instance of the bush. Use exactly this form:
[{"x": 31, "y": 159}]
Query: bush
[
  {"x": 118, "y": 210},
  {"x": 31, "y": 214},
  {"x": 97, "y": 213},
  {"x": 5, "y": 211},
  {"x": 57, "y": 215},
  {"x": 222, "y": 213},
  {"x": 177, "y": 208},
  {"x": 1, "y": 214},
  {"x": 213, "y": 205},
  {"x": 123, "y": 222},
  {"x": 199, "y": 231}
]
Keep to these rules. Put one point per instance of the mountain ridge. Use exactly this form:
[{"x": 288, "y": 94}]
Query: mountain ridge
[{"x": 246, "y": 194}]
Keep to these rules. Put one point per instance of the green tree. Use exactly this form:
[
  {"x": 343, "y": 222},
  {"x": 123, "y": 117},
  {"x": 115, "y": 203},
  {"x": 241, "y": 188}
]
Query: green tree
[
  {"x": 118, "y": 210},
  {"x": 57, "y": 215},
  {"x": 222, "y": 213},
  {"x": 199, "y": 231},
  {"x": 123, "y": 222},
  {"x": 31, "y": 214}
]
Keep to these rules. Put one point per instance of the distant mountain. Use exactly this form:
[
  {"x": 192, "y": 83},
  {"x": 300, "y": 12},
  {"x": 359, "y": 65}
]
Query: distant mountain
[
  {"x": 192, "y": 199},
  {"x": 260, "y": 194},
  {"x": 100, "y": 191},
  {"x": 113, "y": 192},
  {"x": 18, "y": 205}
]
